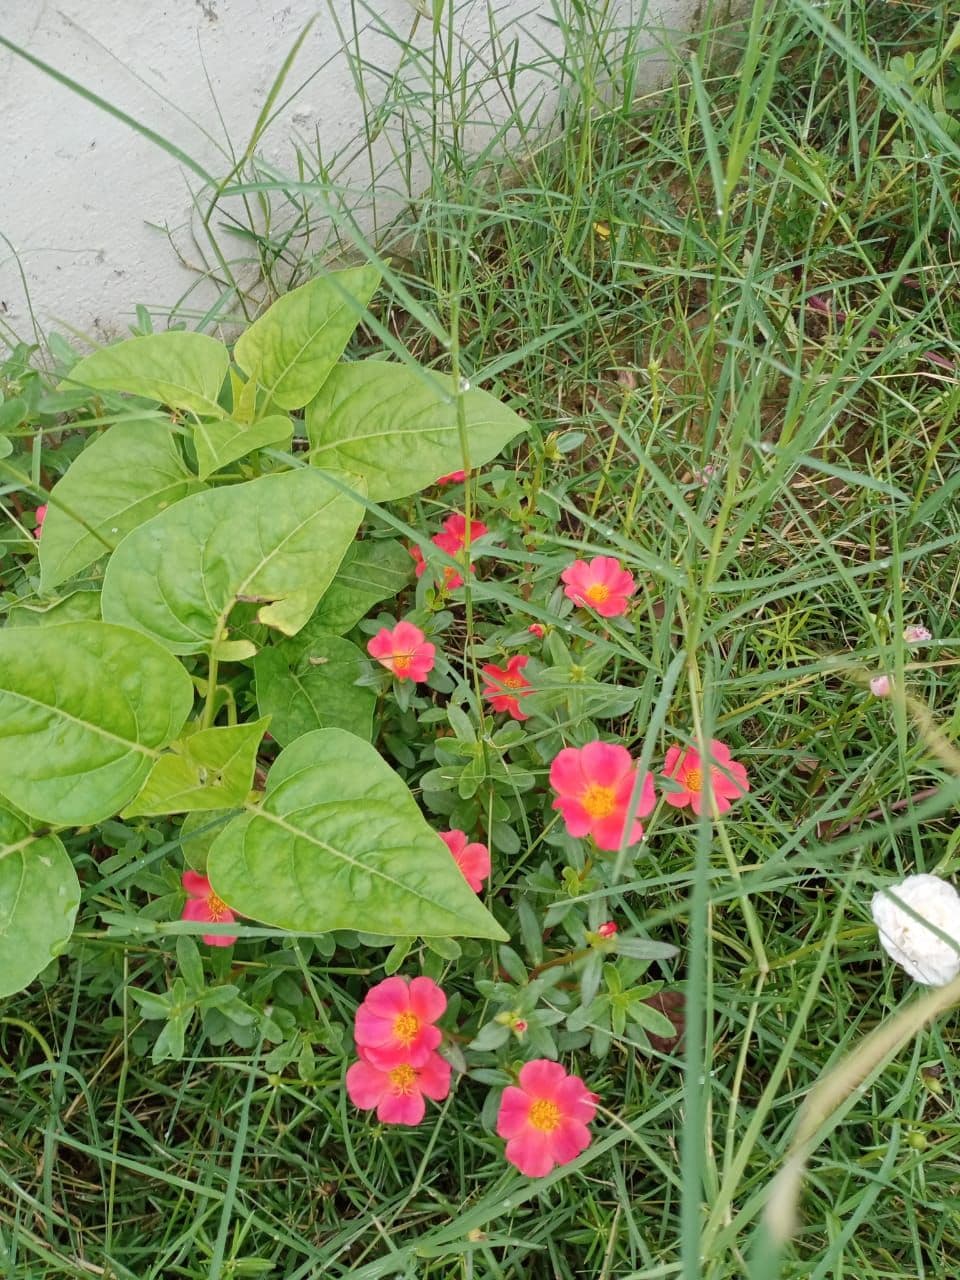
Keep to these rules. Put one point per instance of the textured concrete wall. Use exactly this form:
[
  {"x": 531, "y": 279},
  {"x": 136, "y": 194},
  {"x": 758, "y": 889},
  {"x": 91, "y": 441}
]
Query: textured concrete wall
[{"x": 98, "y": 219}]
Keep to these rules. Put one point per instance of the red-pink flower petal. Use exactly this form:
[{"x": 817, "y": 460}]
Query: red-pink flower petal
[
  {"x": 605, "y": 763},
  {"x": 544, "y": 1118},
  {"x": 472, "y": 859},
  {"x": 404, "y": 651},
  {"x": 594, "y": 785},
  {"x": 394, "y": 1024},
  {"x": 427, "y": 1001}
]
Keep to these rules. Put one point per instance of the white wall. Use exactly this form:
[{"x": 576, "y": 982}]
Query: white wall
[{"x": 96, "y": 215}]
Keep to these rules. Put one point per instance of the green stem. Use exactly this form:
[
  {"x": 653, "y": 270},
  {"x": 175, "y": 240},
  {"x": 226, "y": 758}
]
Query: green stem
[{"x": 210, "y": 705}]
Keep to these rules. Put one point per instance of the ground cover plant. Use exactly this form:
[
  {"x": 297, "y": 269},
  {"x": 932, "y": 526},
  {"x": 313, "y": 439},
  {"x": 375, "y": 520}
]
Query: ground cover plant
[{"x": 642, "y": 658}]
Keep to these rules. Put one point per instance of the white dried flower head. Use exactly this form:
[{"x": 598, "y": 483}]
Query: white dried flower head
[
  {"x": 915, "y": 634},
  {"x": 926, "y": 956}
]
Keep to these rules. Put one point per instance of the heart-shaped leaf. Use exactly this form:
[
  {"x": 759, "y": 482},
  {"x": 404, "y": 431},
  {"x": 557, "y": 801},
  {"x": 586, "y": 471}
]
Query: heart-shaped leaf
[
  {"x": 39, "y": 896},
  {"x": 278, "y": 540},
  {"x": 209, "y": 769},
  {"x": 220, "y": 443},
  {"x": 339, "y": 843},
  {"x": 371, "y": 571},
  {"x": 181, "y": 369},
  {"x": 84, "y": 709},
  {"x": 291, "y": 349},
  {"x": 130, "y": 473},
  {"x": 398, "y": 427},
  {"x": 77, "y": 606},
  {"x": 313, "y": 687}
]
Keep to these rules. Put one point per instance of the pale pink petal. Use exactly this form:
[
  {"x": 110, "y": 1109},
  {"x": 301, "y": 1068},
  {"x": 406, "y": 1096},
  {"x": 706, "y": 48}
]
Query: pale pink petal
[
  {"x": 647, "y": 800},
  {"x": 394, "y": 1053},
  {"x": 406, "y": 636},
  {"x": 568, "y": 1140},
  {"x": 427, "y": 1000},
  {"x": 434, "y": 1077},
  {"x": 575, "y": 1099},
  {"x": 540, "y": 1077},
  {"x": 366, "y": 1085},
  {"x": 380, "y": 645},
  {"x": 566, "y": 772},
  {"x": 719, "y": 754},
  {"x": 198, "y": 910},
  {"x": 196, "y": 884},
  {"x": 474, "y": 862},
  {"x": 531, "y": 1152},
  {"x": 513, "y": 1115},
  {"x": 401, "y": 1108},
  {"x": 220, "y": 939},
  {"x": 454, "y": 840},
  {"x": 608, "y": 832},
  {"x": 578, "y": 821},
  {"x": 670, "y": 761},
  {"x": 605, "y": 763},
  {"x": 678, "y": 799},
  {"x": 371, "y": 1028},
  {"x": 389, "y": 998}
]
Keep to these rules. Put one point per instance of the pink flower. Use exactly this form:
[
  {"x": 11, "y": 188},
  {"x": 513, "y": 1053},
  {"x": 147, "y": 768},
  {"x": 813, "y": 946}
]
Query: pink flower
[
  {"x": 880, "y": 686},
  {"x": 455, "y": 477},
  {"x": 726, "y": 783},
  {"x": 39, "y": 516},
  {"x": 472, "y": 859},
  {"x": 405, "y": 651},
  {"x": 545, "y": 1120},
  {"x": 916, "y": 634},
  {"x": 537, "y": 630},
  {"x": 594, "y": 784},
  {"x": 394, "y": 1025},
  {"x": 451, "y": 539},
  {"x": 202, "y": 904},
  {"x": 607, "y": 930},
  {"x": 506, "y": 685},
  {"x": 453, "y": 535},
  {"x": 601, "y": 584},
  {"x": 398, "y": 1093}
]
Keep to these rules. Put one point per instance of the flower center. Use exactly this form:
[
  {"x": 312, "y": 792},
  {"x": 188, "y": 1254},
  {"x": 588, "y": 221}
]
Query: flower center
[
  {"x": 401, "y": 661},
  {"x": 598, "y": 592},
  {"x": 403, "y": 1078},
  {"x": 693, "y": 780},
  {"x": 405, "y": 1028},
  {"x": 513, "y": 682},
  {"x": 598, "y": 801},
  {"x": 217, "y": 907},
  {"x": 545, "y": 1115}
]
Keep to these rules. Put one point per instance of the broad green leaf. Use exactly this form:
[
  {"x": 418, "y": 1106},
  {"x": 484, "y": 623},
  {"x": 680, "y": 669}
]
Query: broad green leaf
[
  {"x": 277, "y": 541},
  {"x": 84, "y": 709},
  {"x": 371, "y": 571},
  {"x": 78, "y": 606},
  {"x": 339, "y": 843},
  {"x": 130, "y": 473},
  {"x": 198, "y": 833},
  {"x": 315, "y": 689},
  {"x": 6, "y": 447},
  {"x": 292, "y": 348},
  {"x": 209, "y": 769},
  {"x": 220, "y": 443},
  {"x": 39, "y": 896},
  {"x": 398, "y": 428},
  {"x": 181, "y": 369}
]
